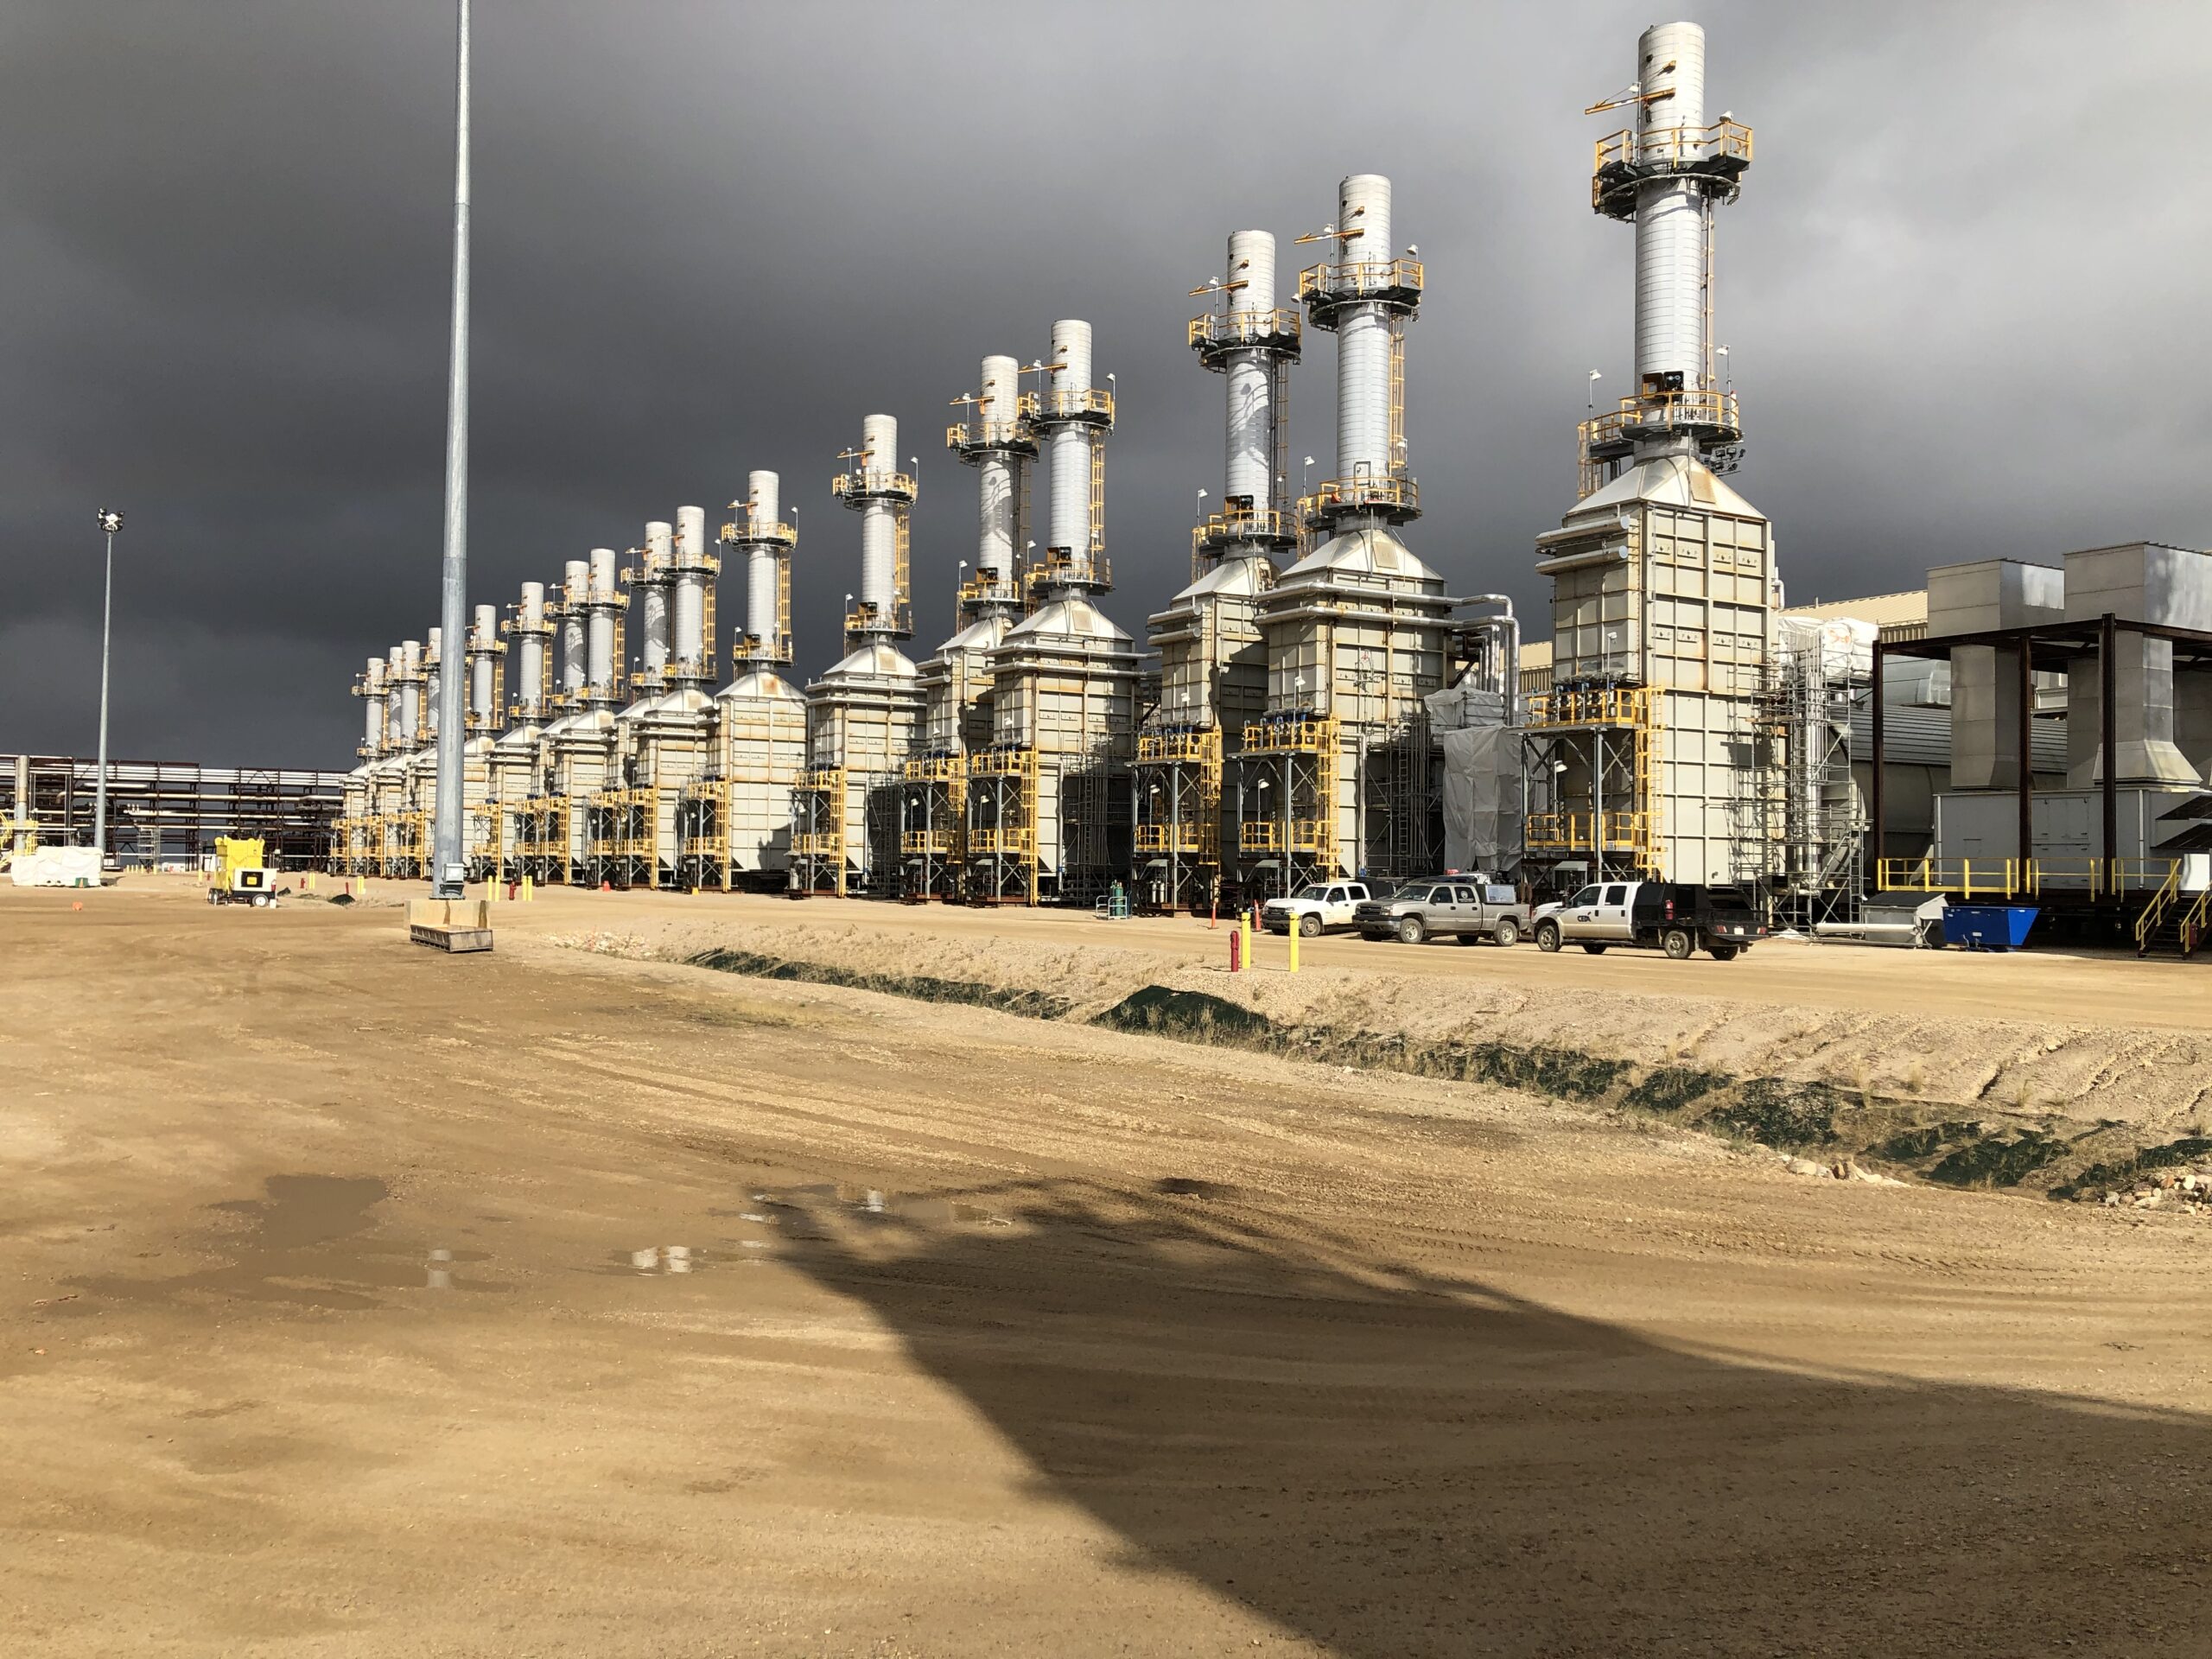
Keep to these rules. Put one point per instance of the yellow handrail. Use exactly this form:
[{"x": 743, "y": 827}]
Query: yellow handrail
[{"x": 2148, "y": 921}]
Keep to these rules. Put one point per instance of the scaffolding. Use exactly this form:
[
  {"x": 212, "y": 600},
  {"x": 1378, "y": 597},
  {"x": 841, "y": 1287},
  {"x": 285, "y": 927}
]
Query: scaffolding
[
  {"x": 1178, "y": 830},
  {"x": 817, "y": 860},
  {"x": 541, "y": 839},
  {"x": 166, "y": 812},
  {"x": 702, "y": 850},
  {"x": 622, "y": 837},
  {"x": 1291, "y": 806},
  {"x": 933, "y": 838},
  {"x": 1001, "y": 826},
  {"x": 1794, "y": 817},
  {"x": 1594, "y": 772}
]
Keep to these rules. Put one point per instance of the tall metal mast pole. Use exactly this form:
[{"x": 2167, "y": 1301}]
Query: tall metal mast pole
[
  {"x": 111, "y": 521},
  {"x": 446, "y": 868}
]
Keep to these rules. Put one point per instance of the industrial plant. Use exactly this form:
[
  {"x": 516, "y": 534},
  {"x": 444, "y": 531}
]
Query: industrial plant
[{"x": 1320, "y": 701}]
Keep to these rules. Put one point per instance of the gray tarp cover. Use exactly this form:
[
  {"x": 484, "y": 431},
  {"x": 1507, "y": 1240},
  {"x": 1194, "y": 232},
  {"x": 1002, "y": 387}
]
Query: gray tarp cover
[{"x": 1482, "y": 798}]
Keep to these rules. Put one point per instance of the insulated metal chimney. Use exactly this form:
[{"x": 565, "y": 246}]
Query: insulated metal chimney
[
  {"x": 693, "y": 566},
  {"x": 873, "y": 486},
  {"x": 1000, "y": 445},
  {"x": 1252, "y": 345},
  {"x": 602, "y": 643},
  {"x": 1664, "y": 174},
  {"x": 575, "y": 669},
  {"x": 1365, "y": 296},
  {"x": 1073, "y": 417},
  {"x": 530, "y": 631},
  {"x": 758, "y": 534},
  {"x": 484, "y": 652},
  {"x": 371, "y": 689}
]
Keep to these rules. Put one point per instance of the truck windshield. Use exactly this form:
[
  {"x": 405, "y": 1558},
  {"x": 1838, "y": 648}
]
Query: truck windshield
[{"x": 1316, "y": 893}]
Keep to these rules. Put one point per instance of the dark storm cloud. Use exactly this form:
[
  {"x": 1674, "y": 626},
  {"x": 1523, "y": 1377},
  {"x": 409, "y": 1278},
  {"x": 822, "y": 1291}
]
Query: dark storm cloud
[{"x": 1961, "y": 291}]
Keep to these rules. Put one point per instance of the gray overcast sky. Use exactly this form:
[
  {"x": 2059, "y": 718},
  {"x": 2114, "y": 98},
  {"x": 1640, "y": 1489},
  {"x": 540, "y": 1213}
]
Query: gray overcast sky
[{"x": 1963, "y": 292}]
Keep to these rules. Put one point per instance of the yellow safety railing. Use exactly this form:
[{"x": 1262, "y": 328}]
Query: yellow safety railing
[
  {"x": 1172, "y": 838},
  {"x": 1089, "y": 402},
  {"x": 1628, "y": 831},
  {"x": 1387, "y": 493},
  {"x": 2031, "y": 878},
  {"x": 944, "y": 842},
  {"x": 1261, "y": 524},
  {"x": 1057, "y": 566},
  {"x": 2196, "y": 921},
  {"x": 1270, "y": 835},
  {"x": 1352, "y": 279},
  {"x": 1628, "y": 706},
  {"x": 2147, "y": 923},
  {"x": 1306, "y": 735},
  {"x": 1162, "y": 747},
  {"x": 1662, "y": 412},
  {"x": 1021, "y": 843},
  {"x": 873, "y": 481},
  {"x": 1003, "y": 763},
  {"x": 1671, "y": 147},
  {"x": 936, "y": 769},
  {"x": 1225, "y": 330}
]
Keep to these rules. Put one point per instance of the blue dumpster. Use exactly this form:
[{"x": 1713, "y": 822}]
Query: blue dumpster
[{"x": 1988, "y": 927}]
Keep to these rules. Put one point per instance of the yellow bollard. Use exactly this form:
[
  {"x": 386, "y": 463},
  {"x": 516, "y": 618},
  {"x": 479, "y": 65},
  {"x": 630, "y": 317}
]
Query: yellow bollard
[
  {"x": 1245, "y": 922},
  {"x": 1294, "y": 944}
]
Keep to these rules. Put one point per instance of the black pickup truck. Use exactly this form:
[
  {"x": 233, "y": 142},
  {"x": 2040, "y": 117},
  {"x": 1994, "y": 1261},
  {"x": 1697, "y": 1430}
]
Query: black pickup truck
[{"x": 1676, "y": 917}]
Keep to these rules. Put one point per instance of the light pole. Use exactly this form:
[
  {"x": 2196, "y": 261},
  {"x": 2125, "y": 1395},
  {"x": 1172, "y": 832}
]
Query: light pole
[
  {"x": 1596, "y": 375},
  {"x": 110, "y": 521},
  {"x": 446, "y": 869}
]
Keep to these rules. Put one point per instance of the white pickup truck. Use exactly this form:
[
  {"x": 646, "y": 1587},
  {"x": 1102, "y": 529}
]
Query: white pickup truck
[{"x": 1316, "y": 908}]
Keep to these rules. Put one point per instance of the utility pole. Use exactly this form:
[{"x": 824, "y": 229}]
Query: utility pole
[
  {"x": 446, "y": 869},
  {"x": 111, "y": 521}
]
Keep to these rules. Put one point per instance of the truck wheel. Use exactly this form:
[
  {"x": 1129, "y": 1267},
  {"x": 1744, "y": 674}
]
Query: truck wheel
[
  {"x": 1410, "y": 930},
  {"x": 1507, "y": 932},
  {"x": 1595, "y": 950},
  {"x": 1723, "y": 952},
  {"x": 1679, "y": 944},
  {"x": 1310, "y": 926},
  {"x": 1547, "y": 935}
]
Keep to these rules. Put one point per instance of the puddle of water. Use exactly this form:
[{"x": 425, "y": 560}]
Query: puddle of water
[{"x": 308, "y": 1241}]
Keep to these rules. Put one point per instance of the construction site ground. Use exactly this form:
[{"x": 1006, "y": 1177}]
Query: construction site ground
[{"x": 894, "y": 1293}]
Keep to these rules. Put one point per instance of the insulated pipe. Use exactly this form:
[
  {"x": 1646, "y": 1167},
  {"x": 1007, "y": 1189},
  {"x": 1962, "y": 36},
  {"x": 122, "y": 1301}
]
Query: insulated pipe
[
  {"x": 481, "y": 644},
  {"x": 530, "y": 651},
  {"x": 879, "y": 520},
  {"x": 654, "y": 579},
  {"x": 410, "y": 691},
  {"x": 687, "y": 622},
  {"x": 372, "y": 709},
  {"x": 1068, "y": 448},
  {"x": 764, "y": 505},
  {"x": 1249, "y": 465},
  {"x": 599, "y": 638},
  {"x": 997, "y": 409},
  {"x": 434, "y": 668},
  {"x": 1672, "y": 216},
  {"x": 1363, "y": 332},
  {"x": 574, "y": 654}
]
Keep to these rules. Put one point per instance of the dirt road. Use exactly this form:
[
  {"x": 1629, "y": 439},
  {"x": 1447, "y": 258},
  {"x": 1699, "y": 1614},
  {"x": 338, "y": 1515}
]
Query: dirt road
[{"x": 361, "y": 1301}]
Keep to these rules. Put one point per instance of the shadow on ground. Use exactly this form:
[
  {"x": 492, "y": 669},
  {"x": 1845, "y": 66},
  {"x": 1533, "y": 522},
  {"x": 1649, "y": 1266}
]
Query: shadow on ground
[{"x": 1390, "y": 1463}]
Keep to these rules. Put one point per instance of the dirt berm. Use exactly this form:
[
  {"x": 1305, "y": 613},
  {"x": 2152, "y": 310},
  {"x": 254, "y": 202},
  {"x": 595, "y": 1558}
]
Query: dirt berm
[{"x": 1969, "y": 1102}]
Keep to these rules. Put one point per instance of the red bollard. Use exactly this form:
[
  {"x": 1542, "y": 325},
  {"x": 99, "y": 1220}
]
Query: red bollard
[{"x": 1237, "y": 950}]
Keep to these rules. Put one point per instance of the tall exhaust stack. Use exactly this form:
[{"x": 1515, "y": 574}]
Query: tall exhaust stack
[
  {"x": 372, "y": 692},
  {"x": 1000, "y": 445},
  {"x": 530, "y": 631},
  {"x": 575, "y": 593},
  {"x": 651, "y": 576},
  {"x": 433, "y": 669},
  {"x": 485, "y": 649},
  {"x": 1073, "y": 417},
  {"x": 1364, "y": 294},
  {"x": 693, "y": 566},
  {"x": 602, "y": 632},
  {"x": 758, "y": 534},
  {"x": 872, "y": 486},
  {"x": 1251, "y": 345},
  {"x": 1664, "y": 174}
]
